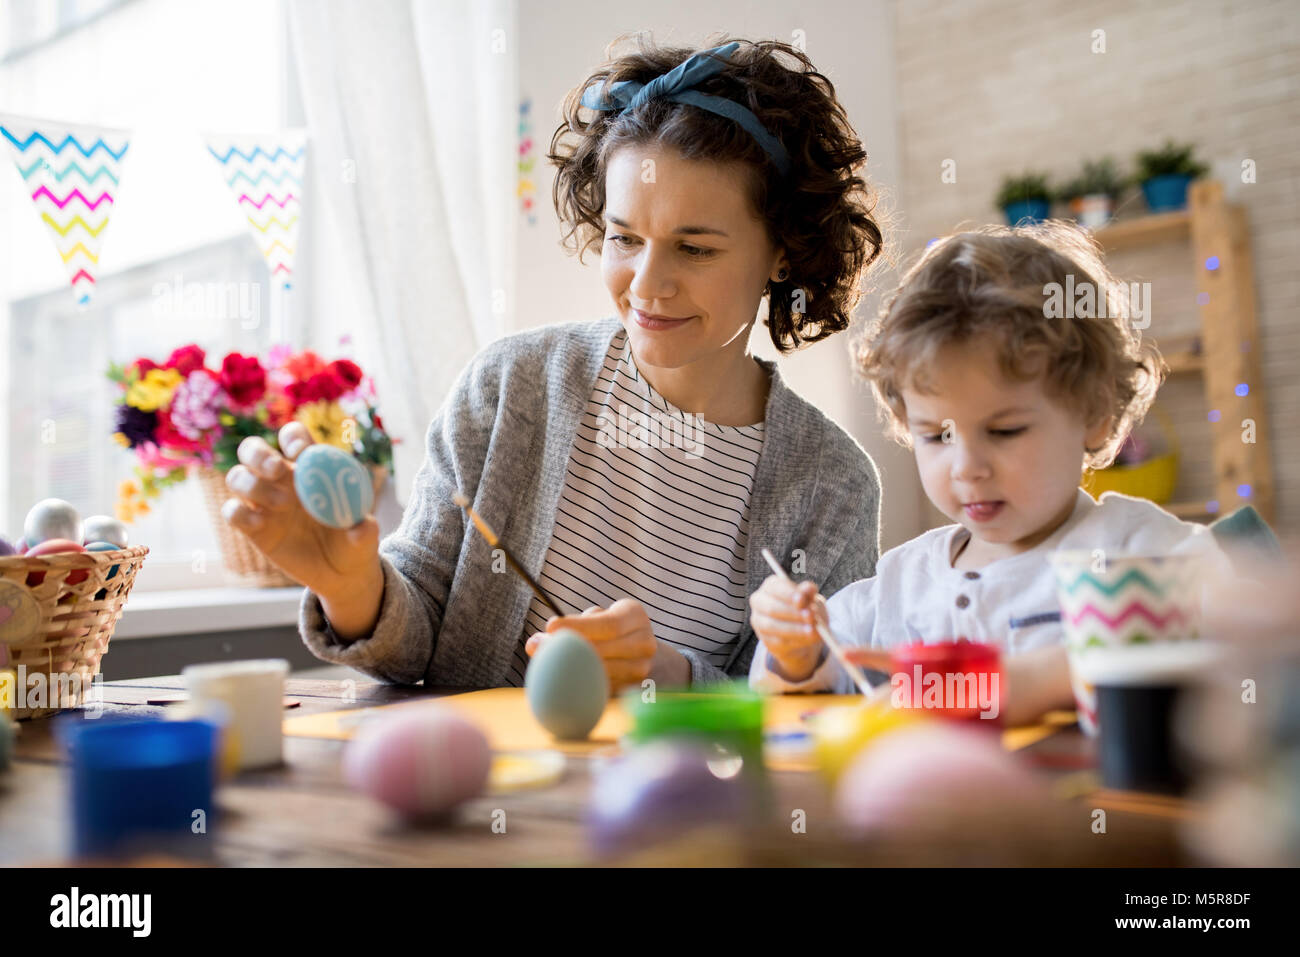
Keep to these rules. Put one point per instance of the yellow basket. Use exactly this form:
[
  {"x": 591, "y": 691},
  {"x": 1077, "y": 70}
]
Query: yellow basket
[
  {"x": 1154, "y": 479},
  {"x": 60, "y": 629}
]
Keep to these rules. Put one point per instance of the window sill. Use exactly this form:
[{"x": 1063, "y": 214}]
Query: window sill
[{"x": 193, "y": 610}]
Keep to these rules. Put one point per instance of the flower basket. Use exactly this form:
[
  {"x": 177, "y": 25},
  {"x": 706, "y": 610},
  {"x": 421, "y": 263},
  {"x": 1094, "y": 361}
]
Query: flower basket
[
  {"x": 183, "y": 419},
  {"x": 61, "y": 630}
]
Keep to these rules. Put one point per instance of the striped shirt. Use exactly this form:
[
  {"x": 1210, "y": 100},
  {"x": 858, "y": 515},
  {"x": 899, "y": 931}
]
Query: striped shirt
[{"x": 655, "y": 507}]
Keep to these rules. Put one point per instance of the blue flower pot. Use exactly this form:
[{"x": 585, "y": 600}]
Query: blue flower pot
[
  {"x": 1027, "y": 211},
  {"x": 1165, "y": 193}
]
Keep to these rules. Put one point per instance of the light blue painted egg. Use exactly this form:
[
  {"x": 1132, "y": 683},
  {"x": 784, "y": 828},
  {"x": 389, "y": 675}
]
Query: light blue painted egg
[
  {"x": 333, "y": 486},
  {"x": 566, "y": 685},
  {"x": 104, "y": 547}
]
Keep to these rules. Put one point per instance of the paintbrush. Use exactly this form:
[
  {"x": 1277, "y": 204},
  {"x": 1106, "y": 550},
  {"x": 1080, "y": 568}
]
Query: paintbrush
[
  {"x": 486, "y": 531},
  {"x": 824, "y": 633}
]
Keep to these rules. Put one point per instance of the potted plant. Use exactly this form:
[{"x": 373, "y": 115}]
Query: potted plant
[
  {"x": 181, "y": 418},
  {"x": 1091, "y": 195},
  {"x": 1165, "y": 174},
  {"x": 1025, "y": 198}
]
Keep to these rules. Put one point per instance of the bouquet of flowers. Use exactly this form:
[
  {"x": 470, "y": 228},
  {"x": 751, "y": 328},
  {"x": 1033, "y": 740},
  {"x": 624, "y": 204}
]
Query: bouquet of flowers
[{"x": 180, "y": 415}]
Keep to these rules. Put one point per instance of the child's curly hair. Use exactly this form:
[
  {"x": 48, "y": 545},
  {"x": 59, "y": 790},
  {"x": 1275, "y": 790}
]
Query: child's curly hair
[
  {"x": 992, "y": 285},
  {"x": 822, "y": 214}
]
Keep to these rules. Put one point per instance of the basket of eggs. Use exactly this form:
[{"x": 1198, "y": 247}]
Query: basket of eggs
[{"x": 63, "y": 587}]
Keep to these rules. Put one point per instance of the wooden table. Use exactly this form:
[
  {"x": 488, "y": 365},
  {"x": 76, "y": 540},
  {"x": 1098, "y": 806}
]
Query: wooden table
[{"x": 303, "y": 814}]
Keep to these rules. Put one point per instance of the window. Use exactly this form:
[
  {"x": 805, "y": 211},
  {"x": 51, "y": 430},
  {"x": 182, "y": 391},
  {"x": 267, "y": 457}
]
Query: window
[
  {"x": 61, "y": 405},
  {"x": 162, "y": 72},
  {"x": 27, "y": 24}
]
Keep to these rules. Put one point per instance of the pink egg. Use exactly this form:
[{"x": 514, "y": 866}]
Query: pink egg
[
  {"x": 935, "y": 774},
  {"x": 54, "y": 546},
  {"x": 421, "y": 762}
]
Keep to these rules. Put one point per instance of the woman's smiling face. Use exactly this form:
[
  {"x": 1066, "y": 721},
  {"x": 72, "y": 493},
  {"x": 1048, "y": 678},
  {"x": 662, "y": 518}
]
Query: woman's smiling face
[{"x": 683, "y": 242}]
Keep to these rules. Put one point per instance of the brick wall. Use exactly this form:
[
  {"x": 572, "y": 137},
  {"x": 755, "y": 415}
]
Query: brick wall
[{"x": 998, "y": 86}]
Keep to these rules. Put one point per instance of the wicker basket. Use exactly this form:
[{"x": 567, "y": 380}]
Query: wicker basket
[
  {"x": 240, "y": 556},
  {"x": 59, "y": 629}
]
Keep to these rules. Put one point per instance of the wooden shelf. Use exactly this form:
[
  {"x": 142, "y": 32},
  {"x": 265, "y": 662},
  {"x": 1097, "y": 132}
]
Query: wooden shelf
[
  {"x": 1183, "y": 355},
  {"x": 1187, "y": 509},
  {"x": 1145, "y": 230}
]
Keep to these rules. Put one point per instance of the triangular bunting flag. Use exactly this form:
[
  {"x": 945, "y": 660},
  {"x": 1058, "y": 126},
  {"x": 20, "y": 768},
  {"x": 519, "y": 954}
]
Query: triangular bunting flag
[
  {"x": 265, "y": 175},
  {"x": 72, "y": 174}
]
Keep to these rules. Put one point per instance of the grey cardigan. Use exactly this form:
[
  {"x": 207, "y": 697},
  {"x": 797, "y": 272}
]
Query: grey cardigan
[{"x": 504, "y": 437}]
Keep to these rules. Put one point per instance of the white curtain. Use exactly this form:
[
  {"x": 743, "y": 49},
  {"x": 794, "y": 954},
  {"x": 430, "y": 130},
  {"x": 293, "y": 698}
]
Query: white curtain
[{"x": 412, "y": 109}]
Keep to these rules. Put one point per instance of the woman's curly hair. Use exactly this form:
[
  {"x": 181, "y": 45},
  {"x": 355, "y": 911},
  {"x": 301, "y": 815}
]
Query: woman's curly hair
[
  {"x": 822, "y": 214},
  {"x": 999, "y": 285}
]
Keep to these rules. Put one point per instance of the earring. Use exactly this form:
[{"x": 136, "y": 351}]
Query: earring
[{"x": 781, "y": 276}]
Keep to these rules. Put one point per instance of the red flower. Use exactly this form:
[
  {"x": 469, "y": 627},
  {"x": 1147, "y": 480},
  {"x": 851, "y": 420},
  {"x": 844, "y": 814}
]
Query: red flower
[
  {"x": 379, "y": 423},
  {"x": 346, "y": 371},
  {"x": 186, "y": 359},
  {"x": 323, "y": 385},
  {"x": 143, "y": 366},
  {"x": 243, "y": 378}
]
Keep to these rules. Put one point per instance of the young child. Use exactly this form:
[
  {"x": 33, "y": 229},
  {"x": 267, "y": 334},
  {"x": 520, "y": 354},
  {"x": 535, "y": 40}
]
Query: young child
[{"x": 1005, "y": 396}]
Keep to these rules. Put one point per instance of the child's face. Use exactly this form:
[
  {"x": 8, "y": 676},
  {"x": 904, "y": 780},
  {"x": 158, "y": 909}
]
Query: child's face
[{"x": 1000, "y": 457}]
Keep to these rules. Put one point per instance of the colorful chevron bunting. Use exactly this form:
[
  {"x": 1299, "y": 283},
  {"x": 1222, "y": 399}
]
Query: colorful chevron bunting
[
  {"x": 265, "y": 176},
  {"x": 71, "y": 174}
]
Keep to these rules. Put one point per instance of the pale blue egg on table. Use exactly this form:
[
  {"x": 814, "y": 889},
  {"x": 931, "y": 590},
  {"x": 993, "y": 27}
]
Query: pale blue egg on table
[
  {"x": 52, "y": 518},
  {"x": 334, "y": 488},
  {"x": 105, "y": 528},
  {"x": 566, "y": 685}
]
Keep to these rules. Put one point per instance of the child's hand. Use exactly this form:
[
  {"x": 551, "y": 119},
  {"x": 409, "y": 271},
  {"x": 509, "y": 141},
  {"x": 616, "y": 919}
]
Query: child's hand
[{"x": 784, "y": 616}]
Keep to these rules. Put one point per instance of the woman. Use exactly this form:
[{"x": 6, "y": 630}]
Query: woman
[{"x": 640, "y": 462}]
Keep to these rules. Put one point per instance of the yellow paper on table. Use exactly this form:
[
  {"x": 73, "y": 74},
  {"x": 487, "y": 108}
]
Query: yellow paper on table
[{"x": 505, "y": 718}]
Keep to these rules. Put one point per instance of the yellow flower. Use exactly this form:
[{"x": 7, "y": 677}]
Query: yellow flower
[
  {"x": 121, "y": 440},
  {"x": 126, "y": 488},
  {"x": 153, "y": 391},
  {"x": 227, "y": 418},
  {"x": 328, "y": 424}
]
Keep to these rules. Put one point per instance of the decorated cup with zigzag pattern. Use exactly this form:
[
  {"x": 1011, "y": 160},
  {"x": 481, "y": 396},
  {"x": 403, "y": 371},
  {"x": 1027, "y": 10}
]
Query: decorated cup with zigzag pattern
[{"x": 1114, "y": 601}]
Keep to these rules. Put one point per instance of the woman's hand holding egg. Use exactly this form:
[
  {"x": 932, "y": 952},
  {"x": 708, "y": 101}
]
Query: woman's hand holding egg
[
  {"x": 784, "y": 615},
  {"x": 621, "y": 633},
  {"x": 332, "y": 562}
]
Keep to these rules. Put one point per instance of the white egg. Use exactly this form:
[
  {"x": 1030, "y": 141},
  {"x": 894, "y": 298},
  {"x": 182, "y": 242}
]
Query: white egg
[
  {"x": 52, "y": 518},
  {"x": 105, "y": 528}
]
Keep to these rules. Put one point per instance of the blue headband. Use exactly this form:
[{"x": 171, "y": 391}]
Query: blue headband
[{"x": 676, "y": 86}]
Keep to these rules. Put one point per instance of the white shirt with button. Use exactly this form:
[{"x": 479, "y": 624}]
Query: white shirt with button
[{"x": 916, "y": 595}]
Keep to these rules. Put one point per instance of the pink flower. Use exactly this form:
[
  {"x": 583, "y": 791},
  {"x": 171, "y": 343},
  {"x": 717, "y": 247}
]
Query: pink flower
[{"x": 196, "y": 404}]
